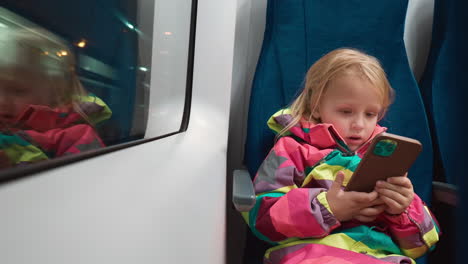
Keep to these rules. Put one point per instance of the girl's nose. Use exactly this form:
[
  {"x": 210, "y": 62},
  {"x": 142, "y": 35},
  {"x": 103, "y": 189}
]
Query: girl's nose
[{"x": 357, "y": 123}]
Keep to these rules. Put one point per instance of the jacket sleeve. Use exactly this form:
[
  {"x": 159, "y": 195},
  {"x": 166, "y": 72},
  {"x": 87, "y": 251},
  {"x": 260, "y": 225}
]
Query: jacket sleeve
[
  {"x": 415, "y": 231},
  {"x": 15, "y": 150},
  {"x": 283, "y": 209},
  {"x": 64, "y": 141}
]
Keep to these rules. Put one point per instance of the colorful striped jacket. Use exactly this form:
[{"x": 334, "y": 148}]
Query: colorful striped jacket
[
  {"x": 40, "y": 132},
  {"x": 292, "y": 212}
]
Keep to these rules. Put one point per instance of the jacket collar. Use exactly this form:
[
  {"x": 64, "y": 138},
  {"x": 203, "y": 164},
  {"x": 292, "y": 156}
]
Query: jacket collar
[
  {"x": 320, "y": 135},
  {"x": 43, "y": 118},
  {"x": 325, "y": 135}
]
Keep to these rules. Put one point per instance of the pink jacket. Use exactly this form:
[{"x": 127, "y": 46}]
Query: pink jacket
[{"x": 292, "y": 211}]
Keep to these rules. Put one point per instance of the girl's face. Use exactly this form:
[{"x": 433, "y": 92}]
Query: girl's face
[
  {"x": 19, "y": 90},
  {"x": 352, "y": 105}
]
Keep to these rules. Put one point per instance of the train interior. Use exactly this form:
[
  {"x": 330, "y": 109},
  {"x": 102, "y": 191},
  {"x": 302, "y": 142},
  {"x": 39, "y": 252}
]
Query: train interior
[{"x": 275, "y": 41}]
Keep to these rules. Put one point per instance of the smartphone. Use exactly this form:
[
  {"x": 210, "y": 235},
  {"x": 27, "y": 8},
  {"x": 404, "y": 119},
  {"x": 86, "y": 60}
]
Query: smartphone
[{"x": 388, "y": 155}]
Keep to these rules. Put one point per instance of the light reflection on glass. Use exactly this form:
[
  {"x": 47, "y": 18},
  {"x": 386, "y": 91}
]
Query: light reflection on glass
[{"x": 81, "y": 44}]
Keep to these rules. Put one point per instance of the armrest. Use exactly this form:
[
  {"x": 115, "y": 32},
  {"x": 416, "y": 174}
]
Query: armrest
[
  {"x": 444, "y": 207},
  {"x": 243, "y": 195},
  {"x": 444, "y": 193}
]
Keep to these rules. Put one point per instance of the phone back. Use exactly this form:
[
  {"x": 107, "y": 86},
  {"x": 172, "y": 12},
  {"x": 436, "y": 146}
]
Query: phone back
[{"x": 388, "y": 155}]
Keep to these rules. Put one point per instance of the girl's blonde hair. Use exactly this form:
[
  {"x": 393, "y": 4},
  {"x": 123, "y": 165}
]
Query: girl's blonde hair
[
  {"x": 330, "y": 66},
  {"x": 36, "y": 52}
]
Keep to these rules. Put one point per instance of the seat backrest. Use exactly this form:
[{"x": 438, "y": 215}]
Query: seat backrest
[
  {"x": 443, "y": 83},
  {"x": 444, "y": 91},
  {"x": 299, "y": 32}
]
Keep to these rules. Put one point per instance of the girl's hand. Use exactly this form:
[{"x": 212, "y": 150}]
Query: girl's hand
[
  {"x": 369, "y": 214},
  {"x": 397, "y": 193},
  {"x": 346, "y": 205}
]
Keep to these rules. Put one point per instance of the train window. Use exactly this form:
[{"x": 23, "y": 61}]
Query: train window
[{"x": 90, "y": 76}]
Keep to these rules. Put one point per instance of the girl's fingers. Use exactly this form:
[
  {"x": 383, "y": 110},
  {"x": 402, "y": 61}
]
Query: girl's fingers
[
  {"x": 392, "y": 204},
  {"x": 372, "y": 211},
  {"x": 398, "y": 197},
  {"x": 364, "y": 219},
  {"x": 377, "y": 201},
  {"x": 402, "y": 181},
  {"x": 362, "y": 197},
  {"x": 403, "y": 190},
  {"x": 396, "y": 192},
  {"x": 337, "y": 183}
]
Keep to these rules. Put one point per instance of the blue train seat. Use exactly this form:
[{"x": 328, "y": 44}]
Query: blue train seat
[{"x": 297, "y": 33}]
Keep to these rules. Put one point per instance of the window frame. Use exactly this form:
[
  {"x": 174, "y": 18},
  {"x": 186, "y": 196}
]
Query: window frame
[{"x": 10, "y": 174}]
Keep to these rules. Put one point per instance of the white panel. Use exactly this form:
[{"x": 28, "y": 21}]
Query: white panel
[
  {"x": 169, "y": 66},
  {"x": 160, "y": 202},
  {"x": 418, "y": 33}
]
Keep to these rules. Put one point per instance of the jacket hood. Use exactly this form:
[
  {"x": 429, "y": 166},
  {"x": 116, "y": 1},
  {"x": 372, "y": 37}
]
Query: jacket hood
[
  {"x": 42, "y": 118},
  {"x": 320, "y": 135}
]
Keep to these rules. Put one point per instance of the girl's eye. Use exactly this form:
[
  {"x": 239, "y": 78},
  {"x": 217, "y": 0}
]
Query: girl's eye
[
  {"x": 371, "y": 114},
  {"x": 346, "y": 111}
]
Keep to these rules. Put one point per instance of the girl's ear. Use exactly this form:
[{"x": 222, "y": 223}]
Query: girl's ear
[{"x": 316, "y": 114}]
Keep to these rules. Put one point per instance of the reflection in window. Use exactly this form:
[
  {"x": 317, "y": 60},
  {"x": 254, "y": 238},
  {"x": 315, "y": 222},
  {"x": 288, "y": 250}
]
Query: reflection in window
[
  {"x": 44, "y": 110},
  {"x": 76, "y": 75},
  {"x": 71, "y": 79}
]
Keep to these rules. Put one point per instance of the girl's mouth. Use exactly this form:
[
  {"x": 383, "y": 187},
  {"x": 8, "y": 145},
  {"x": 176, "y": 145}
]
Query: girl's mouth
[{"x": 354, "y": 139}]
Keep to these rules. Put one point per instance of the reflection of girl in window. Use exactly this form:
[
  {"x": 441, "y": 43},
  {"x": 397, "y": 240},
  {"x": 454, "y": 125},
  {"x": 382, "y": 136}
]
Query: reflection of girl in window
[{"x": 44, "y": 110}]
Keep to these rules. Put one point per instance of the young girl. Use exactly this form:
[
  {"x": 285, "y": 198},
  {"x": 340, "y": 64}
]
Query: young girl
[
  {"x": 301, "y": 206},
  {"x": 44, "y": 110}
]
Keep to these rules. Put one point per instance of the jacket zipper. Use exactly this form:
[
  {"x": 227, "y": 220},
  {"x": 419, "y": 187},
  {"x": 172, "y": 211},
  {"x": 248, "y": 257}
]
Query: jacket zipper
[
  {"x": 338, "y": 139},
  {"x": 418, "y": 226},
  {"x": 348, "y": 152}
]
